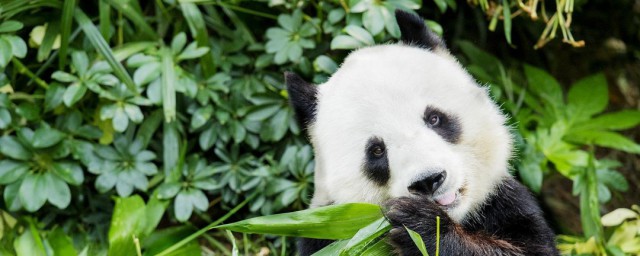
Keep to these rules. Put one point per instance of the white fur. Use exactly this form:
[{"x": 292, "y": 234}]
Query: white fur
[{"x": 383, "y": 91}]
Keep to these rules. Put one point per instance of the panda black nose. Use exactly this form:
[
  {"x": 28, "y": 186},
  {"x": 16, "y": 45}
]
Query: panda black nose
[{"x": 429, "y": 184}]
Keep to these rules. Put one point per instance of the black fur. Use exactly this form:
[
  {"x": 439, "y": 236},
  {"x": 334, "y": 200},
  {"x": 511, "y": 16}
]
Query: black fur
[
  {"x": 308, "y": 246},
  {"x": 376, "y": 167},
  {"x": 509, "y": 223},
  {"x": 448, "y": 126},
  {"x": 414, "y": 32},
  {"x": 302, "y": 97}
]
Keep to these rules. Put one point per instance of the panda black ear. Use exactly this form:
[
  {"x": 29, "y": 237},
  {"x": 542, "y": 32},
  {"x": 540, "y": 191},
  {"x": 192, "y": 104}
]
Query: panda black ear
[
  {"x": 302, "y": 97},
  {"x": 414, "y": 32}
]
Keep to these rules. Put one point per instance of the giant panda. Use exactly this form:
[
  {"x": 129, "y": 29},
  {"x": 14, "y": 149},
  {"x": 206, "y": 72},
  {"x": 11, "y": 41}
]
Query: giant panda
[{"x": 406, "y": 127}]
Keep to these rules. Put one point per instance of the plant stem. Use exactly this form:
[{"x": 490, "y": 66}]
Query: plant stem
[{"x": 22, "y": 69}]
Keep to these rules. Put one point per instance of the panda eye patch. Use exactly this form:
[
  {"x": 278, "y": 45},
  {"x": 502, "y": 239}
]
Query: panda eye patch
[
  {"x": 445, "y": 125},
  {"x": 376, "y": 161}
]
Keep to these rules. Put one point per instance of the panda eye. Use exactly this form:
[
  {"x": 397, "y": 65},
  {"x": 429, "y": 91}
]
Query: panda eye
[
  {"x": 377, "y": 151},
  {"x": 434, "y": 120}
]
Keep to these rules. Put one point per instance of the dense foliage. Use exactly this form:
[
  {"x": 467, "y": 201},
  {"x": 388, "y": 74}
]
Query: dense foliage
[{"x": 126, "y": 125}]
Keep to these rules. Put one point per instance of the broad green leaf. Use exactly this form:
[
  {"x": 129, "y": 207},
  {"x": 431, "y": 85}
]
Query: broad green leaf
[
  {"x": 207, "y": 138},
  {"x": 26, "y": 244},
  {"x": 442, "y": 5},
  {"x": 57, "y": 191},
  {"x": 11, "y": 147},
  {"x": 367, "y": 237},
  {"x": 120, "y": 120},
  {"x": 146, "y": 73},
  {"x": 53, "y": 96},
  {"x": 544, "y": 85},
  {"x": 345, "y": 42},
  {"x": 332, "y": 249},
  {"x": 5, "y": 118},
  {"x": 5, "y": 52},
  {"x": 192, "y": 52},
  {"x": 330, "y": 222},
  {"x": 183, "y": 207},
  {"x": 178, "y": 43},
  {"x": 32, "y": 192},
  {"x": 10, "y": 26},
  {"x": 168, "y": 190},
  {"x": 417, "y": 239},
  {"x": 61, "y": 243},
  {"x": 325, "y": 64},
  {"x": 620, "y": 120},
  {"x": 134, "y": 113},
  {"x": 11, "y": 196},
  {"x": 80, "y": 62},
  {"x": 10, "y": 171},
  {"x": 588, "y": 96},
  {"x": 604, "y": 139},
  {"x": 153, "y": 214},
  {"x": 201, "y": 116},
  {"x": 127, "y": 221},
  {"x": 29, "y": 111},
  {"x": 18, "y": 46},
  {"x": 70, "y": 172},
  {"x": 360, "y": 34},
  {"x": 47, "y": 137},
  {"x": 372, "y": 19},
  {"x": 161, "y": 239}
]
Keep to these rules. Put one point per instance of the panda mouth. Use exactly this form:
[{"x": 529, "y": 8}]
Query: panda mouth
[{"x": 448, "y": 199}]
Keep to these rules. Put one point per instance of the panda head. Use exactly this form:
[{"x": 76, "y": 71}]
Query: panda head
[{"x": 403, "y": 120}]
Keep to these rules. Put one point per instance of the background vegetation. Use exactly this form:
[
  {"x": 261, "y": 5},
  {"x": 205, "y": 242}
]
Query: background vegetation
[{"x": 128, "y": 125}]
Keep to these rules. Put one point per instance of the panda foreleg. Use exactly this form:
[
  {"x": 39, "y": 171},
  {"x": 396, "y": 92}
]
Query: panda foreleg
[{"x": 419, "y": 215}]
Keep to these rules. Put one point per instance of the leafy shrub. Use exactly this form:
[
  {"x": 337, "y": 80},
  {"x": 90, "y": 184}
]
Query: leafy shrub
[{"x": 180, "y": 105}]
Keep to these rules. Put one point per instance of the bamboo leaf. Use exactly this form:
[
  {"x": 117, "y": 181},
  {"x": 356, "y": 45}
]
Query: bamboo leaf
[
  {"x": 66, "y": 22},
  {"x": 330, "y": 222},
  {"x": 366, "y": 237},
  {"x": 198, "y": 29},
  {"x": 417, "y": 239},
  {"x": 105, "y": 18},
  {"x": 103, "y": 48},
  {"x": 133, "y": 14},
  {"x": 168, "y": 85}
]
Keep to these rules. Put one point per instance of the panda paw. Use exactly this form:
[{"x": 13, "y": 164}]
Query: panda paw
[{"x": 418, "y": 214}]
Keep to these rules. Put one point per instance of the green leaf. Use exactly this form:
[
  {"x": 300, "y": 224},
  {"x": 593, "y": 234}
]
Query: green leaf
[
  {"x": 170, "y": 145},
  {"x": 66, "y": 23},
  {"x": 70, "y": 172},
  {"x": 588, "y": 96},
  {"x": 93, "y": 34},
  {"x": 178, "y": 43},
  {"x": 192, "y": 52},
  {"x": 53, "y": 96},
  {"x": 132, "y": 13},
  {"x": 168, "y": 85},
  {"x": 201, "y": 116},
  {"x": 73, "y": 94},
  {"x": 208, "y": 137},
  {"x": 345, "y": 42},
  {"x": 134, "y": 113},
  {"x": 11, "y": 147},
  {"x": 127, "y": 221},
  {"x": 620, "y": 120},
  {"x": 57, "y": 191},
  {"x": 5, "y": 52},
  {"x": 146, "y": 73},
  {"x": 367, "y": 237},
  {"x": 506, "y": 13},
  {"x": 604, "y": 139},
  {"x": 10, "y": 26},
  {"x": 10, "y": 171},
  {"x": 46, "y": 137},
  {"x": 198, "y": 29},
  {"x": 29, "y": 111},
  {"x": 120, "y": 120},
  {"x": 360, "y": 34},
  {"x": 5, "y": 118},
  {"x": 417, "y": 239},
  {"x": 169, "y": 190},
  {"x": 11, "y": 196},
  {"x": 617, "y": 216},
  {"x": 32, "y": 192},
  {"x": 80, "y": 62},
  {"x": 544, "y": 85},
  {"x": 330, "y": 222},
  {"x": 182, "y": 206},
  {"x": 372, "y": 19},
  {"x": 18, "y": 46},
  {"x": 26, "y": 244},
  {"x": 325, "y": 64},
  {"x": 61, "y": 243},
  {"x": 51, "y": 36},
  {"x": 442, "y": 5}
]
